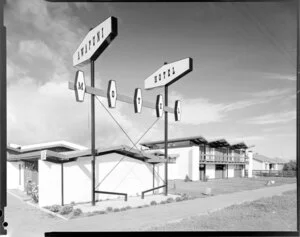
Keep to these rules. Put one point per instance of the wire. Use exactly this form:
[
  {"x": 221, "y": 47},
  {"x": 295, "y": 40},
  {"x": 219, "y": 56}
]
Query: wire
[
  {"x": 265, "y": 31},
  {"x": 134, "y": 144},
  {"x": 116, "y": 121}
]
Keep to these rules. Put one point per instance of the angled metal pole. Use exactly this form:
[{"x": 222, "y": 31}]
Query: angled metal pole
[
  {"x": 93, "y": 130},
  {"x": 166, "y": 141}
]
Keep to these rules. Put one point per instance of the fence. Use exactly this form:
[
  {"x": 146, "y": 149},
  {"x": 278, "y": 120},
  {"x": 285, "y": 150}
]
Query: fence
[{"x": 273, "y": 173}]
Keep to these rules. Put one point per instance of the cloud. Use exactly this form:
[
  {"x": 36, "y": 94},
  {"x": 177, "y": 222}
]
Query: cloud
[
  {"x": 202, "y": 110},
  {"x": 274, "y": 92},
  {"x": 35, "y": 48},
  {"x": 84, "y": 5},
  {"x": 274, "y": 118},
  {"x": 279, "y": 76},
  {"x": 49, "y": 112}
]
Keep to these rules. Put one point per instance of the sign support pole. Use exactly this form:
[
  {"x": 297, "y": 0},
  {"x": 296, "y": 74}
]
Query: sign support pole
[
  {"x": 93, "y": 130},
  {"x": 166, "y": 142}
]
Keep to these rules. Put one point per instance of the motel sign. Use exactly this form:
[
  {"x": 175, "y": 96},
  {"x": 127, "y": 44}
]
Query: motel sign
[{"x": 95, "y": 42}]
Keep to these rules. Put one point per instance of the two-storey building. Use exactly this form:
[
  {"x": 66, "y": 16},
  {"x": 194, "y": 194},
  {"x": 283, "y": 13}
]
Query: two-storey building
[{"x": 198, "y": 158}]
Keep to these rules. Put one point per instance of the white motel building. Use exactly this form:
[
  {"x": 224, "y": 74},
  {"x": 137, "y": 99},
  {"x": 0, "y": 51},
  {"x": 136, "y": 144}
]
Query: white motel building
[
  {"x": 62, "y": 170},
  {"x": 197, "y": 158}
]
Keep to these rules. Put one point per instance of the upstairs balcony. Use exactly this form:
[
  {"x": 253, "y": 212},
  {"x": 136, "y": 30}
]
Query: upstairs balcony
[{"x": 223, "y": 159}]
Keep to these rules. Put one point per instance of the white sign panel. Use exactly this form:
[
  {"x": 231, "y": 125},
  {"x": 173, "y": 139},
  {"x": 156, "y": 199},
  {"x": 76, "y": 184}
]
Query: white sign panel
[
  {"x": 95, "y": 42},
  {"x": 138, "y": 100},
  {"x": 112, "y": 94},
  {"x": 79, "y": 86},
  {"x": 169, "y": 73},
  {"x": 159, "y": 106}
]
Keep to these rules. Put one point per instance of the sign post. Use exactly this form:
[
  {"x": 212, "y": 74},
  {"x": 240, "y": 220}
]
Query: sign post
[
  {"x": 94, "y": 43},
  {"x": 164, "y": 77}
]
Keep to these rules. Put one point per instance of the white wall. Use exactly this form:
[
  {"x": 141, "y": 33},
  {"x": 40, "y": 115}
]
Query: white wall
[
  {"x": 210, "y": 171},
  {"x": 130, "y": 176},
  {"x": 250, "y": 165},
  {"x": 195, "y": 157},
  {"x": 49, "y": 183},
  {"x": 187, "y": 163},
  {"x": 258, "y": 165},
  {"x": 13, "y": 175},
  {"x": 243, "y": 171},
  {"x": 230, "y": 171}
]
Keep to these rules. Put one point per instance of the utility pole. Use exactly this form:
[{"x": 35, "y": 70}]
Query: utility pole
[
  {"x": 3, "y": 122},
  {"x": 166, "y": 141},
  {"x": 93, "y": 130}
]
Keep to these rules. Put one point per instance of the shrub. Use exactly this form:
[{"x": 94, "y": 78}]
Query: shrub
[
  {"x": 163, "y": 202},
  {"x": 116, "y": 209},
  {"x": 66, "y": 210},
  {"x": 139, "y": 206},
  {"x": 35, "y": 193},
  {"x": 178, "y": 199},
  {"x": 146, "y": 205},
  {"x": 72, "y": 203},
  {"x": 128, "y": 207},
  {"x": 123, "y": 209},
  {"x": 109, "y": 209},
  {"x": 169, "y": 200},
  {"x": 55, "y": 208},
  {"x": 89, "y": 213},
  {"x": 100, "y": 212},
  {"x": 184, "y": 197},
  {"x": 77, "y": 212},
  {"x": 291, "y": 165},
  {"x": 153, "y": 203},
  {"x": 187, "y": 179}
]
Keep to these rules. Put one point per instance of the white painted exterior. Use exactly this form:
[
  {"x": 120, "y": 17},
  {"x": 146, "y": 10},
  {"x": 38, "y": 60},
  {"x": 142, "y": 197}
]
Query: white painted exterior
[
  {"x": 130, "y": 176},
  {"x": 210, "y": 171},
  {"x": 187, "y": 163},
  {"x": 230, "y": 171},
  {"x": 250, "y": 164},
  {"x": 15, "y": 177}
]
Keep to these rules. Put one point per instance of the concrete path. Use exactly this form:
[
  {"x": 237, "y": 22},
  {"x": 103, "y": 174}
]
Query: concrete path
[
  {"x": 27, "y": 221},
  {"x": 141, "y": 219}
]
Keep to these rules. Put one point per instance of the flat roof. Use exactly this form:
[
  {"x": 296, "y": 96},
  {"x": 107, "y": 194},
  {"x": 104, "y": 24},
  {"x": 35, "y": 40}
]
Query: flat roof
[
  {"x": 195, "y": 139},
  {"x": 219, "y": 143},
  {"x": 263, "y": 158},
  {"x": 15, "y": 148},
  {"x": 74, "y": 155},
  {"x": 240, "y": 145}
]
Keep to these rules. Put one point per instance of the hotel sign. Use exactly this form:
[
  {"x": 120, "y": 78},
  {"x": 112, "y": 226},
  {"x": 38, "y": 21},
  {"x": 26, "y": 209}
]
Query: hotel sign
[
  {"x": 169, "y": 73},
  {"x": 96, "y": 41}
]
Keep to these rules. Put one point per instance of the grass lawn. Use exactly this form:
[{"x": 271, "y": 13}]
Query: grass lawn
[
  {"x": 278, "y": 213},
  {"x": 222, "y": 186}
]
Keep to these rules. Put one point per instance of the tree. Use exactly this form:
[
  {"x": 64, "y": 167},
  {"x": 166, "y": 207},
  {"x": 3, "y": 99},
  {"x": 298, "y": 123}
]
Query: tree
[{"x": 291, "y": 165}]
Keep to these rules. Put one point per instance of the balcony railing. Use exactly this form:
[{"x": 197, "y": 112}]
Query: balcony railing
[{"x": 223, "y": 158}]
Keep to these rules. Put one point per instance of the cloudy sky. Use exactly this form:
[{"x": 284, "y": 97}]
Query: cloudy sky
[{"x": 242, "y": 88}]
